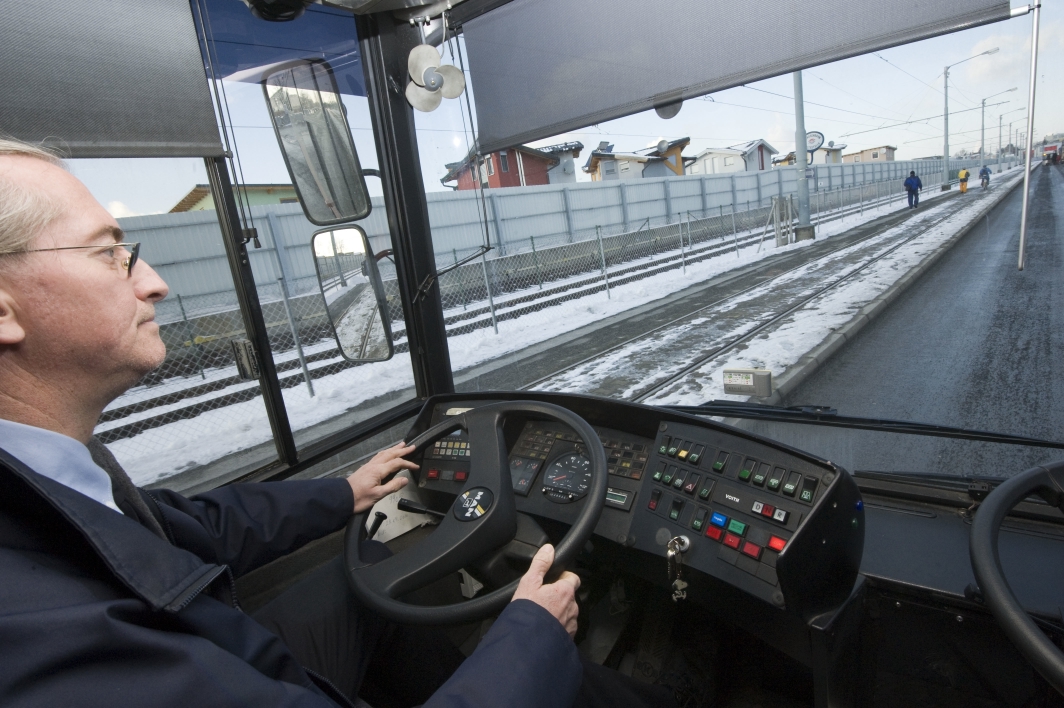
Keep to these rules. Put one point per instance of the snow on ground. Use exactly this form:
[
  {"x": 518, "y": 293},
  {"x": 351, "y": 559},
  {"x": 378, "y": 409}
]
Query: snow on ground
[
  {"x": 185, "y": 444},
  {"x": 782, "y": 346}
]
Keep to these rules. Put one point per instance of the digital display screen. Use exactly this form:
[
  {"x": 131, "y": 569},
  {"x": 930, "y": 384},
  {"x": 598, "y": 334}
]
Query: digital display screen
[{"x": 616, "y": 497}]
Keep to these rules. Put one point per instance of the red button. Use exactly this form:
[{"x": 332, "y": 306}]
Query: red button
[
  {"x": 460, "y": 476},
  {"x": 731, "y": 540},
  {"x": 714, "y": 532},
  {"x": 434, "y": 474},
  {"x": 776, "y": 543},
  {"x": 752, "y": 549},
  {"x": 768, "y": 510}
]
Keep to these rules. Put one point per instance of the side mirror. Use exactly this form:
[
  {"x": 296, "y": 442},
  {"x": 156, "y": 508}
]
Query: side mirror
[
  {"x": 354, "y": 294},
  {"x": 319, "y": 152}
]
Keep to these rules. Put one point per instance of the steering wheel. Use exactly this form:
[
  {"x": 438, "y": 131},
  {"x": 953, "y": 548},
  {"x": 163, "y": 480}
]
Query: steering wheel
[
  {"x": 1047, "y": 482},
  {"x": 482, "y": 519}
]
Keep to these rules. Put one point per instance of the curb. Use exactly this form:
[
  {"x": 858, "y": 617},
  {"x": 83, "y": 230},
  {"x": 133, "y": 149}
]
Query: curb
[{"x": 818, "y": 355}]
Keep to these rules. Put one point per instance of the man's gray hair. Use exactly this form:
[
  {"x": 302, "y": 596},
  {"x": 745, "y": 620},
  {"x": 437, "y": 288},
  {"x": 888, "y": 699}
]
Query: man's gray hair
[{"x": 24, "y": 212}]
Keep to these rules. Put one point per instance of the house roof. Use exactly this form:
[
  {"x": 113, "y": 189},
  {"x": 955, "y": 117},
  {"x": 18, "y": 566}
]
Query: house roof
[
  {"x": 748, "y": 146},
  {"x": 197, "y": 193},
  {"x": 679, "y": 142},
  {"x": 455, "y": 168},
  {"x": 573, "y": 147}
]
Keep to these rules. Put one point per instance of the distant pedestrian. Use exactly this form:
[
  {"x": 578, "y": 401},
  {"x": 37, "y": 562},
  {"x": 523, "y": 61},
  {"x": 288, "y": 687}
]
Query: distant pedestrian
[
  {"x": 963, "y": 175},
  {"x": 913, "y": 185}
]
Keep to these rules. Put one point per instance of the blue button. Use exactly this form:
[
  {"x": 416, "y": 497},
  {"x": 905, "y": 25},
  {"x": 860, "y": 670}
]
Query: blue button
[{"x": 719, "y": 520}]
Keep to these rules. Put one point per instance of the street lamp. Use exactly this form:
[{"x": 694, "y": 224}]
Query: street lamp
[
  {"x": 982, "y": 128},
  {"x": 945, "y": 115},
  {"x": 1001, "y": 147}
]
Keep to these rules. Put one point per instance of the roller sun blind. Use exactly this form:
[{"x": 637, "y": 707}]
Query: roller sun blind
[
  {"x": 120, "y": 78},
  {"x": 543, "y": 67}
]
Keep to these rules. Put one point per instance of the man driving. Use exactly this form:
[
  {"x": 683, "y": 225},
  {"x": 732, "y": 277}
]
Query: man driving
[{"x": 116, "y": 595}]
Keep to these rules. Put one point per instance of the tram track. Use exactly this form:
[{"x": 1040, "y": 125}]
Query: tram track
[{"x": 647, "y": 363}]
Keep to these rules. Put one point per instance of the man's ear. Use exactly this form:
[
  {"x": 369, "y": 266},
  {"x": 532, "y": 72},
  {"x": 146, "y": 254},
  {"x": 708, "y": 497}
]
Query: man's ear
[{"x": 11, "y": 330}]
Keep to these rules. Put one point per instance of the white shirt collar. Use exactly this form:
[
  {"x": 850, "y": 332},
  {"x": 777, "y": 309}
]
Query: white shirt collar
[{"x": 58, "y": 457}]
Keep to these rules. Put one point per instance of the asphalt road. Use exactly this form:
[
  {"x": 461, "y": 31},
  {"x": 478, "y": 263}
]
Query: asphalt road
[{"x": 975, "y": 343}]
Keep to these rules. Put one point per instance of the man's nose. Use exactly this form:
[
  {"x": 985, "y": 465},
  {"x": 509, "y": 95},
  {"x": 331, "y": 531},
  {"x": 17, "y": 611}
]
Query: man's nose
[{"x": 149, "y": 286}]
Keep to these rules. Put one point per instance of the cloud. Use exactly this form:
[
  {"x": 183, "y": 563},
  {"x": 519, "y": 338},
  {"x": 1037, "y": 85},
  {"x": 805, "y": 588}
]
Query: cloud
[
  {"x": 1011, "y": 62},
  {"x": 778, "y": 134},
  {"x": 118, "y": 210}
]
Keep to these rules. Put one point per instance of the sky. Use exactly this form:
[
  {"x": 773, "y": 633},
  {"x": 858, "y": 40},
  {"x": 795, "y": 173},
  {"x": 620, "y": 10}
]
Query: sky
[{"x": 856, "y": 102}]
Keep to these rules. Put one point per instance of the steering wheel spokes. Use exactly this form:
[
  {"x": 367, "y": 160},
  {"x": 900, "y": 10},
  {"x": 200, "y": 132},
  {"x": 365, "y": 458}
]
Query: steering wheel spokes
[
  {"x": 483, "y": 518},
  {"x": 1047, "y": 482}
]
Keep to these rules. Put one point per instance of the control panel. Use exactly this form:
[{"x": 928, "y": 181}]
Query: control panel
[{"x": 739, "y": 503}]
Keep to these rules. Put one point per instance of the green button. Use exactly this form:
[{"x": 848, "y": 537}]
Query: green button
[
  {"x": 774, "y": 484},
  {"x": 759, "y": 479},
  {"x": 657, "y": 476},
  {"x": 788, "y": 489},
  {"x": 697, "y": 524},
  {"x": 693, "y": 458},
  {"x": 718, "y": 466},
  {"x": 737, "y": 527},
  {"x": 667, "y": 479},
  {"x": 678, "y": 482},
  {"x": 674, "y": 514},
  {"x": 806, "y": 496},
  {"x": 672, "y": 451},
  {"x": 704, "y": 494},
  {"x": 744, "y": 475},
  {"x": 662, "y": 450}
]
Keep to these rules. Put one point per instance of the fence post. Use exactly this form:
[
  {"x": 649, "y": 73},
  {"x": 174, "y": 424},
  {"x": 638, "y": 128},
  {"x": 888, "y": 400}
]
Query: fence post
[
  {"x": 191, "y": 338},
  {"x": 295, "y": 335},
  {"x": 487, "y": 289},
  {"x": 860, "y": 194},
  {"x": 668, "y": 200},
  {"x": 702, "y": 192},
  {"x": 493, "y": 197},
  {"x": 624, "y": 203},
  {"x": 535, "y": 257},
  {"x": 683, "y": 256},
  {"x": 602, "y": 255},
  {"x": 568, "y": 213},
  {"x": 734, "y": 194},
  {"x": 757, "y": 179}
]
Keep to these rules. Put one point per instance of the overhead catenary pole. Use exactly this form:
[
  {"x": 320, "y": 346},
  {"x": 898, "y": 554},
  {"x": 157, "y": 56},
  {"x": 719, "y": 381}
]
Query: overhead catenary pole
[
  {"x": 982, "y": 136},
  {"x": 804, "y": 232},
  {"x": 945, "y": 130},
  {"x": 1028, "y": 146},
  {"x": 999, "y": 145}
]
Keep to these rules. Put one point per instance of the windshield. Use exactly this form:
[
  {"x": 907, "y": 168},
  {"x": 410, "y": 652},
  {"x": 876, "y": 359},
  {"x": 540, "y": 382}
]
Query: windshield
[
  {"x": 645, "y": 257},
  {"x": 641, "y": 258}
]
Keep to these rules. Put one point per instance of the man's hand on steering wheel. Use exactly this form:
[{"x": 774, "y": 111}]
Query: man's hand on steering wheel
[
  {"x": 557, "y": 598},
  {"x": 367, "y": 482}
]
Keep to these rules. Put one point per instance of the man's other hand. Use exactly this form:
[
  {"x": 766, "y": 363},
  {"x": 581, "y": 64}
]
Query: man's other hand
[
  {"x": 557, "y": 598},
  {"x": 367, "y": 482}
]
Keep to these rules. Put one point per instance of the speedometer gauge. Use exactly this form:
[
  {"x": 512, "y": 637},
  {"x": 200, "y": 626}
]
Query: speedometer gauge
[{"x": 567, "y": 478}]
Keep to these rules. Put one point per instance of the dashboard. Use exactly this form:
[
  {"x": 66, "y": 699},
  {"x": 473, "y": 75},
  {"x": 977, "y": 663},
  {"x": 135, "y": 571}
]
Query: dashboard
[{"x": 773, "y": 522}]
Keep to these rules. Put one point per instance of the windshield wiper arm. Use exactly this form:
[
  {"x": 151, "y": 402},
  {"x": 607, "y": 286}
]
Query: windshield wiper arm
[{"x": 824, "y": 415}]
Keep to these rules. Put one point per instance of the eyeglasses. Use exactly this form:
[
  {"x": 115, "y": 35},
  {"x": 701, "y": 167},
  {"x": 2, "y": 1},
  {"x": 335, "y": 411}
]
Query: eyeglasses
[{"x": 127, "y": 263}]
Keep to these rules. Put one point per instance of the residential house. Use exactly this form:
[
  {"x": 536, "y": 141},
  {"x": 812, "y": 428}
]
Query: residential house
[
  {"x": 518, "y": 166},
  {"x": 884, "y": 153},
  {"x": 200, "y": 198},
  {"x": 667, "y": 162},
  {"x": 565, "y": 170},
  {"x": 603, "y": 164},
  {"x": 752, "y": 156}
]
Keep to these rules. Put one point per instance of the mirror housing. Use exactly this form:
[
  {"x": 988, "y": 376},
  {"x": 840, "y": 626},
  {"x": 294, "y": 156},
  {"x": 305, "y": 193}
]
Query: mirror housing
[
  {"x": 354, "y": 296},
  {"x": 310, "y": 123}
]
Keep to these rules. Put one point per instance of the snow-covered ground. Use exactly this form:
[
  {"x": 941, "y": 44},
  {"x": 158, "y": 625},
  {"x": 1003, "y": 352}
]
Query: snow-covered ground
[{"x": 185, "y": 444}]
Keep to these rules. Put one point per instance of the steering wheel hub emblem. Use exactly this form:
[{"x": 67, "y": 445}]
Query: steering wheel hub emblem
[{"x": 473, "y": 504}]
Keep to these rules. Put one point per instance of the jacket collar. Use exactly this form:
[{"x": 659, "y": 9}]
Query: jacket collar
[{"x": 164, "y": 576}]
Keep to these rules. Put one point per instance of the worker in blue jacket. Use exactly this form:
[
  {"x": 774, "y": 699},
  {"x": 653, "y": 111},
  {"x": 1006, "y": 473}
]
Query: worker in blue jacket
[
  {"x": 913, "y": 185},
  {"x": 113, "y": 595}
]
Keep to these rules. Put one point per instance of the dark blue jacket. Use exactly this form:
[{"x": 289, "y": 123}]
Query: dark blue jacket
[
  {"x": 96, "y": 610},
  {"x": 913, "y": 183}
]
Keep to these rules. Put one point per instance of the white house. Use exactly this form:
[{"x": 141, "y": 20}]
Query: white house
[{"x": 753, "y": 156}]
